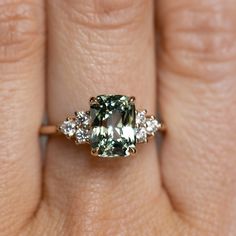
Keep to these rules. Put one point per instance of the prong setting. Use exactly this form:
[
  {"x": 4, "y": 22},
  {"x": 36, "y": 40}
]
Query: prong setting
[
  {"x": 80, "y": 127},
  {"x": 132, "y": 150},
  {"x": 94, "y": 152},
  {"x": 132, "y": 99},
  {"x": 93, "y": 101}
]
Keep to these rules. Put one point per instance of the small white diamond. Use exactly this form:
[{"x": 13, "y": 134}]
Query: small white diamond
[
  {"x": 81, "y": 135},
  {"x": 82, "y": 118},
  {"x": 141, "y": 135},
  {"x": 140, "y": 117},
  {"x": 68, "y": 128},
  {"x": 152, "y": 126}
]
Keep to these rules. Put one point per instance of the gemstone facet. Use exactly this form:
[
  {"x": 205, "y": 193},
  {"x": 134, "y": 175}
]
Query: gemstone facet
[{"x": 112, "y": 126}]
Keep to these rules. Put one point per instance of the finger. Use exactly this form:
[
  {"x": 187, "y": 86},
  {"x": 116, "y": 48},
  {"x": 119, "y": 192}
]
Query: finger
[
  {"x": 21, "y": 99},
  {"x": 100, "y": 48},
  {"x": 198, "y": 100}
]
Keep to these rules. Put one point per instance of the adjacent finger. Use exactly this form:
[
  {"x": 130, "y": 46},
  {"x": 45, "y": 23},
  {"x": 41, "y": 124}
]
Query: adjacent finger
[
  {"x": 198, "y": 102},
  {"x": 21, "y": 99}
]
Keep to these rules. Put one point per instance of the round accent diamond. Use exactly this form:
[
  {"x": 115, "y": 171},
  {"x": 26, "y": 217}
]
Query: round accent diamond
[
  {"x": 140, "y": 118},
  {"x": 68, "y": 128},
  {"x": 152, "y": 125},
  {"x": 141, "y": 135},
  {"x": 82, "y": 118},
  {"x": 81, "y": 135}
]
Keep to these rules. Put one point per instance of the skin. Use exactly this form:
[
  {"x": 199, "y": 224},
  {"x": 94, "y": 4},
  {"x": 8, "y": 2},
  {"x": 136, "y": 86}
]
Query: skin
[{"x": 178, "y": 57}]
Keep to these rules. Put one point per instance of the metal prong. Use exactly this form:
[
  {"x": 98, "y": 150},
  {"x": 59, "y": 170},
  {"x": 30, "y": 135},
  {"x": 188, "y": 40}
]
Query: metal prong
[
  {"x": 144, "y": 111},
  {"x": 132, "y": 99},
  {"x": 132, "y": 150},
  {"x": 93, "y": 101},
  {"x": 94, "y": 152},
  {"x": 68, "y": 136},
  {"x": 151, "y": 135},
  {"x": 162, "y": 127},
  {"x": 59, "y": 129},
  {"x": 69, "y": 119},
  {"x": 76, "y": 113},
  {"x": 153, "y": 117},
  {"x": 79, "y": 143}
]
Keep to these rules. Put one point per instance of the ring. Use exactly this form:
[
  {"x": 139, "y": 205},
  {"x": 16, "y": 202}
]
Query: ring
[{"x": 112, "y": 126}]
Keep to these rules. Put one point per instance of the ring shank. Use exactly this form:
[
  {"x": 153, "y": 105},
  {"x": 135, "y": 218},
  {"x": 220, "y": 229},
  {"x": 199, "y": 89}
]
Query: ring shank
[{"x": 48, "y": 130}]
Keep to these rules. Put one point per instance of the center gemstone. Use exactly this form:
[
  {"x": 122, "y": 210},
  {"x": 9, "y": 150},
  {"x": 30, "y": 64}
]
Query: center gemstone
[{"x": 112, "y": 126}]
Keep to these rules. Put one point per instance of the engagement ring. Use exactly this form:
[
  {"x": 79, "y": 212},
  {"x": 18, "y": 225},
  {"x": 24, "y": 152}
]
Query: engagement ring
[{"x": 112, "y": 126}]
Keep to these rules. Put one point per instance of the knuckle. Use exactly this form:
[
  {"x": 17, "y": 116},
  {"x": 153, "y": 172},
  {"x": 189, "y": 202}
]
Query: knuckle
[
  {"x": 21, "y": 30},
  {"x": 204, "y": 39},
  {"x": 105, "y": 14}
]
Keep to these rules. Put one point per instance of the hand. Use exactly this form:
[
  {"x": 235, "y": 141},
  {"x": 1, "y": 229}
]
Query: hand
[{"x": 86, "y": 48}]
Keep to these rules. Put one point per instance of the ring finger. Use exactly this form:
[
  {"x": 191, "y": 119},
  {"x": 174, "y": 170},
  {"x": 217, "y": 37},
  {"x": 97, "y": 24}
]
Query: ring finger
[{"x": 100, "y": 48}]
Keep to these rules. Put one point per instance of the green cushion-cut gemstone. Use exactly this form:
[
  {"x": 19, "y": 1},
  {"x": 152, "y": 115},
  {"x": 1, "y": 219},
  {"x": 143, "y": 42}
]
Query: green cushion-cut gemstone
[{"x": 112, "y": 125}]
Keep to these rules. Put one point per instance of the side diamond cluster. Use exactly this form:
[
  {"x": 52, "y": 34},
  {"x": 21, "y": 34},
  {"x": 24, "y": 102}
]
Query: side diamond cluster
[
  {"x": 145, "y": 126},
  {"x": 77, "y": 127}
]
